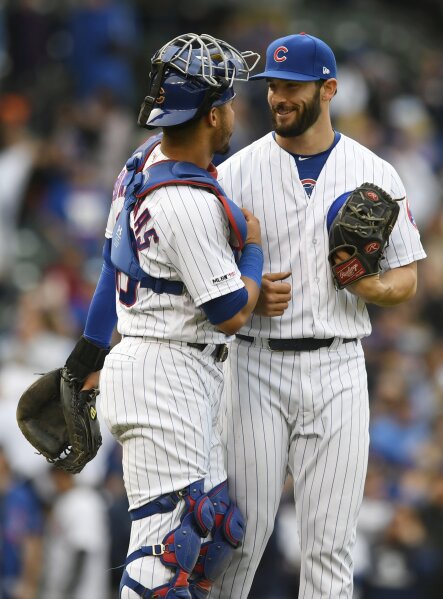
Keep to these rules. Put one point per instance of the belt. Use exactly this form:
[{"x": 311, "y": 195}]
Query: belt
[
  {"x": 220, "y": 352},
  {"x": 306, "y": 344}
]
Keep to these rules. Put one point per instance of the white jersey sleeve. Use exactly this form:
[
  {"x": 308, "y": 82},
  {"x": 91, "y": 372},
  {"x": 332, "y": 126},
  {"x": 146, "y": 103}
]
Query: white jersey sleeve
[
  {"x": 193, "y": 230},
  {"x": 116, "y": 204},
  {"x": 404, "y": 243}
]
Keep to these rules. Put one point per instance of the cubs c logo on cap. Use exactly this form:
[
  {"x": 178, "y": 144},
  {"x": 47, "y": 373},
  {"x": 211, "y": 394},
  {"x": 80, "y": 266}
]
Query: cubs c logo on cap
[{"x": 279, "y": 54}]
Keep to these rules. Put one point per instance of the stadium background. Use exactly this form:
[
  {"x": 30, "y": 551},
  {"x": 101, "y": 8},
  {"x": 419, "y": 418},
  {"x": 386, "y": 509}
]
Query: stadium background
[{"x": 72, "y": 76}]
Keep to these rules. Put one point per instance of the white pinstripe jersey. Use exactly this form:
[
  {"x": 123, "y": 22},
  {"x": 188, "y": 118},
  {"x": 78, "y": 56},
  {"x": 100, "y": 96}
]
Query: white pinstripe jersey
[
  {"x": 184, "y": 235},
  {"x": 264, "y": 178}
]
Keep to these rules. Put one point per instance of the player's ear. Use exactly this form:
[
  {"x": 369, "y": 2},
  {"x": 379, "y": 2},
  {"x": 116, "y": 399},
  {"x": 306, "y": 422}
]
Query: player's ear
[
  {"x": 212, "y": 117},
  {"x": 329, "y": 89}
]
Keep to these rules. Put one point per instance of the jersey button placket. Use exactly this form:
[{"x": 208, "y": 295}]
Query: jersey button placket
[{"x": 311, "y": 250}]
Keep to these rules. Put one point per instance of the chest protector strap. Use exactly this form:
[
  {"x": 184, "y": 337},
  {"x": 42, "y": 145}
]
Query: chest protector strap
[{"x": 138, "y": 184}]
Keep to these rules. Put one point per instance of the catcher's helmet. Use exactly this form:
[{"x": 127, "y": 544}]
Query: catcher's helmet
[{"x": 189, "y": 75}]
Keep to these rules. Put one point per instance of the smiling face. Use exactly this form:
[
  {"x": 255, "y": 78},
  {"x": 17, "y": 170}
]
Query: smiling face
[{"x": 295, "y": 105}]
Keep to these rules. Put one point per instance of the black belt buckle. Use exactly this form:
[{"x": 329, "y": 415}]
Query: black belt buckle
[{"x": 221, "y": 352}]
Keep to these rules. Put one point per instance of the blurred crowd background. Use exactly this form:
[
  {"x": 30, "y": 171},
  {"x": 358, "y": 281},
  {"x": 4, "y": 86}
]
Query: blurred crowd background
[{"x": 72, "y": 76}]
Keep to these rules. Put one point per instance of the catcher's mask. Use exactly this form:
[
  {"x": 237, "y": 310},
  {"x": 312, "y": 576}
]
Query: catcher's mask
[{"x": 190, "y": 74}]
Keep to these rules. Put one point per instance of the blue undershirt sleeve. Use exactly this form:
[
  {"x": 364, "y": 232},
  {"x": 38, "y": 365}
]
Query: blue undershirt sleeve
[
  {"x": 251, "y": 262},
  {"x": 225, "y": 307},
  {"x": 102, "y": 313}
]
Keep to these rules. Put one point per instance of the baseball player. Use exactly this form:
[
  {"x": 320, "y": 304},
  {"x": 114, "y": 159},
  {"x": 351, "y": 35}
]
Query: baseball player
[
  {"x": 297, "y": 398},
  {"x": 171, "y": 240}
]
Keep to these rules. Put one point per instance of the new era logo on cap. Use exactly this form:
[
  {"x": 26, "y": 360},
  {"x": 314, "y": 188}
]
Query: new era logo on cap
[{"x": 300, "y": 57}]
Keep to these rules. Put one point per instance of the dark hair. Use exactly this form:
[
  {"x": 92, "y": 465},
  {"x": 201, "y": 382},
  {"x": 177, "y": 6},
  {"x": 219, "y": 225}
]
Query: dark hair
[{"x": 179, "y": 131}]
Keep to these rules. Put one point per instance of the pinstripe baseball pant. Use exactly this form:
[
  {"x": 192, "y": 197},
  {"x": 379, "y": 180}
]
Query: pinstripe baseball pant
[
  {"x": 306, "y": 414},
  {"x": 161, "y": 402}
]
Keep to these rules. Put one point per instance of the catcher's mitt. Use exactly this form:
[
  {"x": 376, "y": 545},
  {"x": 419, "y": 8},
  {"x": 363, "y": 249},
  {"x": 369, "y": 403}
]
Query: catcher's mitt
[
  {"x": 361, "y": 228},
  {"x": 60, "y": 421},
  {"x": 57, "y": 417}
]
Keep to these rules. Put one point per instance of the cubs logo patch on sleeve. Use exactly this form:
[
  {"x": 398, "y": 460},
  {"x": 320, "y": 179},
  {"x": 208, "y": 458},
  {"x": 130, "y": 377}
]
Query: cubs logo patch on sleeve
[{"x": 410, "y": 215}]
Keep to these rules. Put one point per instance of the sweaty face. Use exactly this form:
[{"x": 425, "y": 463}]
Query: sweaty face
[
  {"x": 295, "y": 106},
  {"x": 225, "y": 128}
]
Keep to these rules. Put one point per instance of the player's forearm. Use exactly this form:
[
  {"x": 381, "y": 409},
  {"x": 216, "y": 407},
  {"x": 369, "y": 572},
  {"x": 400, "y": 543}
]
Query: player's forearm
[
  {"x": 391, "y": 288},
  {"x": 397, "y": 287},
  {"x": 102, "y": 313},
  {"x": 235, "y": 323},
  {"x": 251, "y": 268}
]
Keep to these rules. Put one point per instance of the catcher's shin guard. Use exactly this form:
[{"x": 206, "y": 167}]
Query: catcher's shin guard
[
  {"x": 180, "y": 547},
  {"x": 215, "y": 555}
]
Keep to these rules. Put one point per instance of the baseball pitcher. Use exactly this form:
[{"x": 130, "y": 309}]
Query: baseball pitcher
[{"x": 337, "y": 234}]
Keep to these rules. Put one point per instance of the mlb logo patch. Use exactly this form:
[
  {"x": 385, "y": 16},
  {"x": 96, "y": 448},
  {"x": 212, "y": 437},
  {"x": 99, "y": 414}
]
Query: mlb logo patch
[{"x": 222, "y": 278}]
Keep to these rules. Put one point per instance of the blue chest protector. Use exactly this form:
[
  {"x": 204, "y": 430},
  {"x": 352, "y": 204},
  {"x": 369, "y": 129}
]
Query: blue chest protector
[{"x": 138, "y": 184}]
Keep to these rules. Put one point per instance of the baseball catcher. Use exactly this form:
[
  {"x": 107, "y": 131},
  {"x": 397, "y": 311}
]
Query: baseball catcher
[
  {"x": 59, "y": 418},
  {"x": 359, "y": 225}
]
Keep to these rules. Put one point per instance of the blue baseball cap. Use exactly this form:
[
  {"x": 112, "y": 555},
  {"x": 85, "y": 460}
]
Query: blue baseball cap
[{"x": 299, "y": 57}]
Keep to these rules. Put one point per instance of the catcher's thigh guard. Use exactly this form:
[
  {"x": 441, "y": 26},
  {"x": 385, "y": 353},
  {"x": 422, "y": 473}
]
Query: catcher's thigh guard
[
  {"x": 180, "y": 547},
  {"x": 215, "y": 555}
]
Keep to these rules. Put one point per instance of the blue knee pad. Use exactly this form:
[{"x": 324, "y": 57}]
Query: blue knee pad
[
  {"x": 180, "y": 547},
  {"x": 227, "y": 535}
]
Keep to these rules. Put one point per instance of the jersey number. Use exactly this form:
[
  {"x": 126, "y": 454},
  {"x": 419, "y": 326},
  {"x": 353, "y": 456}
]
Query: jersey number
[
  {"x": 127, "y": 289},
  {"x": 126, "y": 286}
]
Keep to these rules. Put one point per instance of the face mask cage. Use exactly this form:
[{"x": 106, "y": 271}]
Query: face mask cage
[
  {"x": 202, "y": 58},
  {"x": 212, "y": 60}
]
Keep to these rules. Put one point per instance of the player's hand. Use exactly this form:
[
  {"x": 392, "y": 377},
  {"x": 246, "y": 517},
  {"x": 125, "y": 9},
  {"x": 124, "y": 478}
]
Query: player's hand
[
  {"x": 367, "y": 288},
  {"x": 253, "y": 225},
  {"x": 370, "y": 289},
  {"x": 275, "y": 294}
]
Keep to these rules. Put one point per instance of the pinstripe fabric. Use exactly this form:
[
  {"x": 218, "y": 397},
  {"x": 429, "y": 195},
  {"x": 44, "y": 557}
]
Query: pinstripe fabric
[
  {"x": 264, "y": 179},
  {"x": 303, "y": 413},
  {"x": 193, "y": 233},
  {"x": 159, "y": 397},
  {"x": 161, "y": 402}
]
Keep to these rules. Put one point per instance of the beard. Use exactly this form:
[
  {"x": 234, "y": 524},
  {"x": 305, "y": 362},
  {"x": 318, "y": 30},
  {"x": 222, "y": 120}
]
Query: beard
[
  {"x": 224, "y": 142},
  {"x": 225, "y": 148},
  {"x": 306, "y": 115}
]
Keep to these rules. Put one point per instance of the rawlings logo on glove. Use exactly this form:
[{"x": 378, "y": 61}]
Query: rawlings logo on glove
[{"x": 360, "y": 229}]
